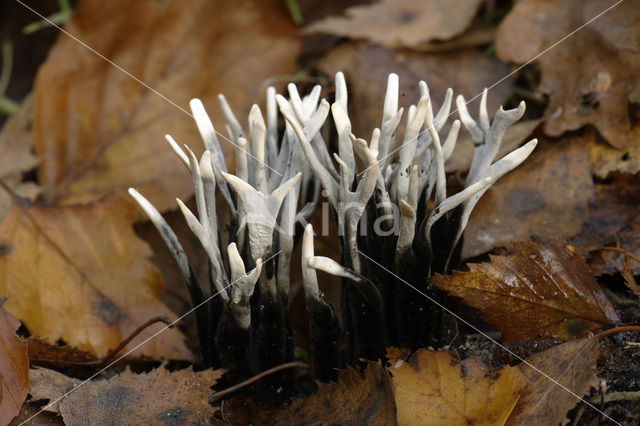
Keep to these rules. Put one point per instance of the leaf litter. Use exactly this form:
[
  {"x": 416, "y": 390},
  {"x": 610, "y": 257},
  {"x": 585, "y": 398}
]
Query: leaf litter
[
  {"x": 89, "y": 265},
  {"x": 98, "y": 130},
  {"x": 589, "y": 77},
  {"x": 128, "y": 117}
]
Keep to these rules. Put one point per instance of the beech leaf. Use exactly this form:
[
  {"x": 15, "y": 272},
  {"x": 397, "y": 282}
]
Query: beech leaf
[
  {"x": 435, "y": 388},
  {"x": 590, "y": 76},
  {"x": 407, "y": 23},
  {"x": 537, "y": 292},
  {"x": 97, "y": 129},
  {"x": 80, "y": 274}
]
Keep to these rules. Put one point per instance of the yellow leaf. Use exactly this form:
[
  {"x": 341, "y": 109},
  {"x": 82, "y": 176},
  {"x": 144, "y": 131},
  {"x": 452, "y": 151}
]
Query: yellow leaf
[
  {"x": 80, "y": 274},
  {"x": 437, "y": 389}
]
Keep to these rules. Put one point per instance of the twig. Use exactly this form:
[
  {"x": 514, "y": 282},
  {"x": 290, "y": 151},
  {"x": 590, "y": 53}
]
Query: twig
[{"x": 295, "y": 364}]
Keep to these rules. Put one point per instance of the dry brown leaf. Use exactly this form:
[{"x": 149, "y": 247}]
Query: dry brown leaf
[
  {"x": 157, "y": 397},
  {"x": 44, "y": 354},
  {"x": 573, "y": 365},
  {"x": 32, "y": 415},
  {"x": 605, "y": 159},
  {"x": 437, "y": 389},
  {"x": 406, "y": 23},
  {"x": 537, "y": 292},
  {"x": 610, "y": 262},
  {"x": 619, "y": 26},
  {"x": 97, "y": 129},
  {"x": 367, "y": 67},
  {"x": 14, "y": 368},
  {"x": 50, "y": 385},
  {"x": 79, "y": 273},
  {"x": 362, "y": 399},
  {"x": 611, "y": 216},
  {"x": 547, "y": 197},
  {"x": 16, "y": 152},
  {"x": 515, "y": 135},
  {"x": 588, "y": 78}
]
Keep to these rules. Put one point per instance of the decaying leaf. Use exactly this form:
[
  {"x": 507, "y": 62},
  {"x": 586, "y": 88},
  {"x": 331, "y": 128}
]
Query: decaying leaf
[
  {"x": 354, "y": 399},
  {"x": 611, "y": 262},
  {"x": 79, "y": 273},
  {"x": 547, "y": 197},
  {"x": 591, "y": 76},
  {"x": 573, "y": 365},
  {"x": 435, "y": 388},
  {"x": 537, "y": 292},
  {"x": 407, "y": 23},
  {"x": 16, "y": 154},
  {"x": 611, "y": 216},
  {"x": 605, "y": 160},
  {"x": 157, "y": 397},
  {"x": 14, "y": 368},
  {"x": 44, "y": 354},
  {"x": 97, "y": 129},
  {"x": 367, "y": 67},
  {"x": 50, "y": 385}
]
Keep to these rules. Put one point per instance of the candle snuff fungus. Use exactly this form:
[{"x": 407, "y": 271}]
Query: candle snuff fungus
[{"x": 391, "y": 208}]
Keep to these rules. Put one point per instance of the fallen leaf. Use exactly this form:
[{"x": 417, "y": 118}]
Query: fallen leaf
[
  {"x": 98, "y": 130},
  {"x": 588, "y": 79},
  {"x": 619, "y": 26},
  {"x": 33, "y": 414},
  {"x": 605, "y": 160},
  {"x": 364, "y": 399},
  {"x": 406, "y": 23},
  {"x": 613, "y": 211},
  {"x": 537, "y": 292},
  {"x": 14, "y": 368},
  {"x": 367, "y": 67},
  {"x": 547, "y": 197},
  {"x": 610, "y": 262},
  {"x": 515, "y": 135},
  {"x": 16, "y": 151},
  {"x": 433, "y": 387},
  {"x": 156, "y": 397},
  {"x": 79, "y": 273},
  {"x": 44, "y": 354},
  {"x": 50, "y": 385},
  {"x": 573, "y": 365}
]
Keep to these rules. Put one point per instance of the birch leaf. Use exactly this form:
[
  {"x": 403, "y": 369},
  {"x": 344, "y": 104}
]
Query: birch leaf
[{"x": 537, "y": 292}]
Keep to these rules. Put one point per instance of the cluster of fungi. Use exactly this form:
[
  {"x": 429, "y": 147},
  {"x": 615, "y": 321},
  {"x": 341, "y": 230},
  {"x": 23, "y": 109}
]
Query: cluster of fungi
[{"x": 396, "y": 225}]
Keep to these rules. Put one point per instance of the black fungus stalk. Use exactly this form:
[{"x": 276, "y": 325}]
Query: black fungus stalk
[{"x": 394, "y": 211}]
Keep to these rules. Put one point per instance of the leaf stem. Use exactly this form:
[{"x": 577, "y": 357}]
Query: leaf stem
[
  {"x": 616, "y": 330},
  {"x": 111, "y": 355}
]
